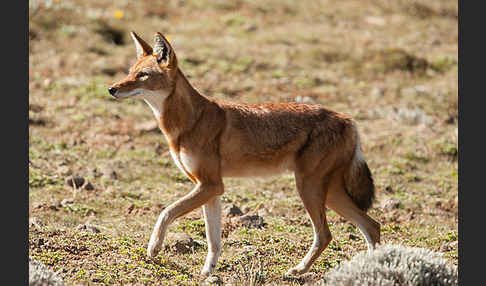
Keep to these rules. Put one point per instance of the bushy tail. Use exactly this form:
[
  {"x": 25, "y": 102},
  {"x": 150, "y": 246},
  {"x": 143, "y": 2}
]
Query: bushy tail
[{"x": 358, "y": 179}]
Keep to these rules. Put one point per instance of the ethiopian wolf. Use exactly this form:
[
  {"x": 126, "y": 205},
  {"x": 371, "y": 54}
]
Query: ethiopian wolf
[{"x": 210, "y": 139}]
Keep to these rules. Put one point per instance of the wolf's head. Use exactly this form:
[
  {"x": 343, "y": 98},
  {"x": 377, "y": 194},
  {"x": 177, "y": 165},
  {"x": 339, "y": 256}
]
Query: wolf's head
[{"x": 154, "y": 72}]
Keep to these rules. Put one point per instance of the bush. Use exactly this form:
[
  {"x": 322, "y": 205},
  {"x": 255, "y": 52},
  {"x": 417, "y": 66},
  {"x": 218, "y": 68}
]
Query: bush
[
  {"x": 391, "y": 265},
  {"x": 39, "y": 275}
]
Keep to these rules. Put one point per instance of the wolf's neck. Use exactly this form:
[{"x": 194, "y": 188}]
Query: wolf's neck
[
  {"x": 183, "y": 88},
  {"x": 178, "y": 111},
  {"x": 156, "y": 99}
]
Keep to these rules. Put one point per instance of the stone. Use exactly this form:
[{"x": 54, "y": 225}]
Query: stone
[
  {"x": 36, "y": 222},
  {"x": 232, "y": 211},
  {"x": 252, "y": 221},
  {"x": 183, "y": 243},
  {"x": 88, "y": 228},
  {"x": 391, "y": 204},
  {"x": 75, "y": 181}
]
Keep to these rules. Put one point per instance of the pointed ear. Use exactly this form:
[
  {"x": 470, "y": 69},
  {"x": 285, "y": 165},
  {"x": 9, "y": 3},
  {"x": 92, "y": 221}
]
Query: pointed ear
[
  {"x": 143, "y": 49},
  {"x": 164, "y": 52}
]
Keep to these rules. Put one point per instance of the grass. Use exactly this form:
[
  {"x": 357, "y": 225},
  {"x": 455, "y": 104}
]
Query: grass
[{"x": 397, "y": 79}]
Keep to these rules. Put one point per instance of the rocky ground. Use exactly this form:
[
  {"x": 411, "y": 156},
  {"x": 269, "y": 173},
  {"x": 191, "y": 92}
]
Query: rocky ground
[{"x": 100, "y": 171}]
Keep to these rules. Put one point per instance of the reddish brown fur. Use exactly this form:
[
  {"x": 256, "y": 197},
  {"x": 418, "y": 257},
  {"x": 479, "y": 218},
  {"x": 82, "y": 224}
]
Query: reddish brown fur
[
  {"x": 223, "y": 138},
  {"x": 156, "y": 81}
]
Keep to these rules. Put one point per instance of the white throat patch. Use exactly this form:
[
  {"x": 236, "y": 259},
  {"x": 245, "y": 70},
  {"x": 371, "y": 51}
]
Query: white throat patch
[{"x": 155, "y": 99}]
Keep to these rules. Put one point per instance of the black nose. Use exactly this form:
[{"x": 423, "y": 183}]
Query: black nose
[{"x": 112, "y": 90}]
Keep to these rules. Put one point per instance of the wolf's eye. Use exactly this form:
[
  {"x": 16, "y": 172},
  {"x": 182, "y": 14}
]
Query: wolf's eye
[{"x": 142, "y": 74}]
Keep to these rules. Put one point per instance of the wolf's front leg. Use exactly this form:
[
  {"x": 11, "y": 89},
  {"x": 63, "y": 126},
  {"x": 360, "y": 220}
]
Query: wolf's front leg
[
  {"x": 158, "y": 234},
  {"x": 199, "y": 196},
  {"x": 212, "y": 218}
]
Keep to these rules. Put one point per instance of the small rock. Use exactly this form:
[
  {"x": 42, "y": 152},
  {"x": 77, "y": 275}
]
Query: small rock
[
  {"x": 88, "y": 186},
  {"x": 65, "y": 202},
  {"x": 444, "y": 248},
  {"x": 52, "y": 208},
  {"x": 422, "y": 90},
  {"x": 39, "y": 242},
  {"x": 251, "y": 28},
  {"x": 183, "y": 243},
  {"x": 454, "y": 244},
  {"x": 47, "y": 82},
  {"x": 249, "y": 247},
  {"x": 159, "y": 148},
  {"x": 64, "y": 170},
  {"x": 38, "y": 205},
  {"x": 88, "y": 228},
  {"x": 36, "y": 222},
  {"x": 113, "y": 175},
  {"x": 75, "y": 181},
  {"x": 392, "y": 204},
  {"x": 35, "y": 107},
  {"x": 232, "y": 211},
  {"x": 450, "y": 120},
  {"x": 213, "y": 279},
  {"x": 411, "y": 216},
  {"x": 413, "y": 116},
  {"x": 37, "y": 120},
  {"x": 252, "y": 221},
  {"x": 109, "y": 173},
  {"x": 377, "y": 92},
  {"x": 353, "y": 237},
  {"x": 263, "y": 212},
  {"x": 96, "y": 173},
  {"x": 158, "y": 208},
  {"x": 130, "y": 208}
]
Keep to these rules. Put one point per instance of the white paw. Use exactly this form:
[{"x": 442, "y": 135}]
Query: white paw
[
  {"x": 153, "y": 249},
  {"x": 214, "y": 280},
  {"x": 297, "y": 270},
  {"x": 207, "y": 270}
]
